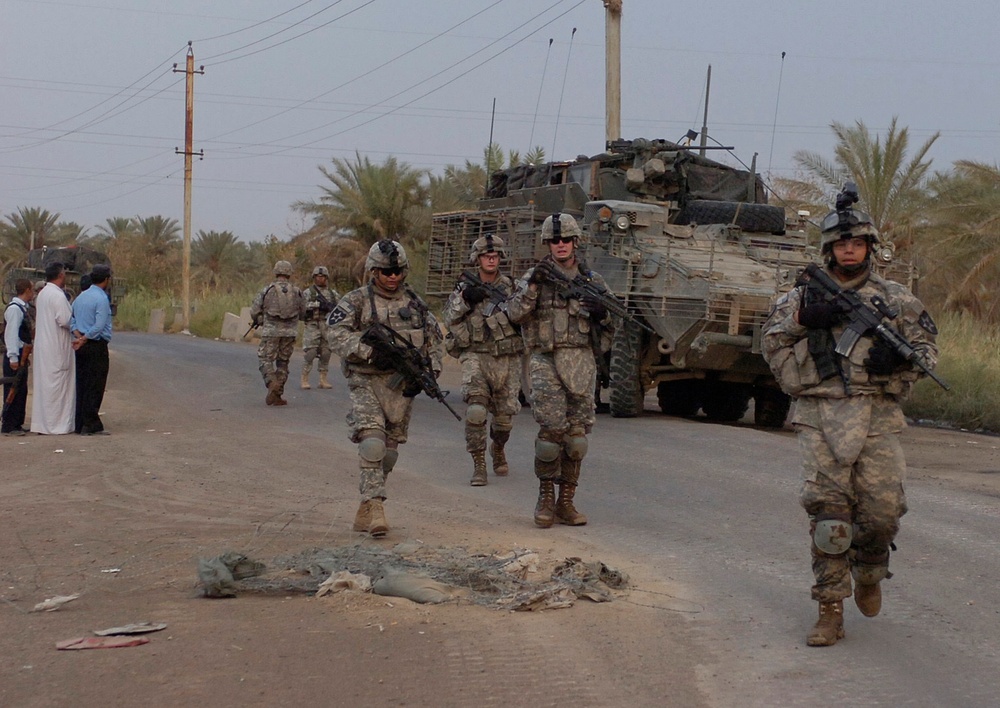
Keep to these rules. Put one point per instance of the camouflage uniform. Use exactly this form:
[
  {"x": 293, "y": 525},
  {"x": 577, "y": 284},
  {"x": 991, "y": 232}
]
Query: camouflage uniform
[
  {"x": 557, "y": 333},
  {"x": 315, "y": 332},
  {"x": 848, "y": 426},
  {"x": 490, "y": 349},
  {"x": 380, "y": 412},
  {"x": 277, "y": 334}
]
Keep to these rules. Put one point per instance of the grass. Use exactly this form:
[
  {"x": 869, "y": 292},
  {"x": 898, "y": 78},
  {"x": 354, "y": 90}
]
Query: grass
[{"x": 970, "y": 363}]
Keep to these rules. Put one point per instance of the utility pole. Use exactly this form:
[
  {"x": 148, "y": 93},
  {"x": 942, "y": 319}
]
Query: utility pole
[
  {"x": 188, "y": 153},
  {"x": 613, "y": 69}
]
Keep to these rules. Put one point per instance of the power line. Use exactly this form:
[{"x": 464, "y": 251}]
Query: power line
[{"x": 255, "y": 24}]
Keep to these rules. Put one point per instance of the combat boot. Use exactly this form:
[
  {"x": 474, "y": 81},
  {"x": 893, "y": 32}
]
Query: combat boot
[
  {"x": 500, "y": 467},
  {"x": 545, "y": 514},
  {"x": 566, "y": 513},
  {"x": 829, "y": 627},
  {"x": 868, "y": 598},
  {"x": 363, "y": 518},
  {"x": 479, "y": 468},
  {"x": 272, "y": 394},
  {"x": 305, "y": 377},
  {"x": 323, "y": 383},
  {"x": 377, "y": 525}
]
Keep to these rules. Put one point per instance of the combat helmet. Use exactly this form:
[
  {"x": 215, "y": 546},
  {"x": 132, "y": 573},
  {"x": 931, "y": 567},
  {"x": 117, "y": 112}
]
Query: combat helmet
[
  {"x": 559, "y": 225},
  {"x": 845, "y": 222},
  {"x": 283, "y": 268},
  {"x": 488, "y": 243},
  {"x": 320, "y": 270},
  {"x": 386, "y": 253}
]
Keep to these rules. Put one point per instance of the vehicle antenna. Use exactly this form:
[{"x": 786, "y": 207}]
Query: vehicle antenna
[
  {"x": 555, "y": 134},
  {"x": 774, "y": 125},
  {"x": 538, "y": 101}
]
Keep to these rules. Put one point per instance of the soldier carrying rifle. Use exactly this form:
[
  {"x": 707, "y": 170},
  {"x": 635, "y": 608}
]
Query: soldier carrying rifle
[
  {"x": 320, "y": 301},
  {"x": 560, "y": 328},
  {"x": 482, "y": 337},
  {"x": 849, "y": 345},
  {"x": 364, "y": 327}
]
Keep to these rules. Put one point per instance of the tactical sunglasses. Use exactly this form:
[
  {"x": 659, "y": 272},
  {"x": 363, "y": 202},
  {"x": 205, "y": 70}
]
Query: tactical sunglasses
[
  {"x": 395, "y": 270},
  {"x": 562, "y": 239}
]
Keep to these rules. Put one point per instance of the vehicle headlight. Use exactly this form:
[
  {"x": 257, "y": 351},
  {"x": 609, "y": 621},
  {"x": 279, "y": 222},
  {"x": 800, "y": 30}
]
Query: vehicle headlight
[{"x": 622, "y": 222}]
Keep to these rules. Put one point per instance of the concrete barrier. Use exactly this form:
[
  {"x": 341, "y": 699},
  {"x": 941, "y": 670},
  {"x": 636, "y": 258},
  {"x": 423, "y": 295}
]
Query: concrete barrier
[
  {"x": 157, "y": 318},
  {"x": 232, "y": 327}
]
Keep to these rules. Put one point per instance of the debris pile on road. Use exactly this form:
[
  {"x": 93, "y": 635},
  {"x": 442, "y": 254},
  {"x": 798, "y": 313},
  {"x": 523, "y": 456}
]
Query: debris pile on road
[{"x": 420, "y": 573}]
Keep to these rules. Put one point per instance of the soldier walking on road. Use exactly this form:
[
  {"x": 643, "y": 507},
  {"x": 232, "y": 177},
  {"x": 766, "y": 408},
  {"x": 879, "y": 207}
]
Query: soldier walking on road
[
  {"x": 320, "y": 301},
  {"x": 381, "y": 400},
  {"x": 558, "y": 332},
  {"x": 277, "y": 309},
  {"x": 490, "y": 349},
  {"x": 848, "y": 417}
]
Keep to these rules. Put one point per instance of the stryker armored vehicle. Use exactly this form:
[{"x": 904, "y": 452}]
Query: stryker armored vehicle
[
  {"x": 689, "y": 244},
  {"x": 79, "y": 260}
]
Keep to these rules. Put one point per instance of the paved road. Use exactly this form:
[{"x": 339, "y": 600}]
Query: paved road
[{"x": 710, "y": 509}]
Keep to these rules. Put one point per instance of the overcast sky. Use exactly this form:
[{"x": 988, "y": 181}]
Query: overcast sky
[{"x": 91, "y": 112}]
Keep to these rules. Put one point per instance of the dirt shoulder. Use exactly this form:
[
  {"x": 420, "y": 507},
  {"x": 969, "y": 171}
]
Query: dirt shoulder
[{"x": 122, "y": 520}]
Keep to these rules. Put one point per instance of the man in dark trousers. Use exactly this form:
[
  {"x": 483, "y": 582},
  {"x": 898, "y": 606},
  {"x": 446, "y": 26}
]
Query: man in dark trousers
[
  {"x": 18, "y": 332},
  {"x": 91, "y": 327}
]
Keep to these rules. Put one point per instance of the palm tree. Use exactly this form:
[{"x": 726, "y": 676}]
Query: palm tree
[
  {"x": 369, "y": 201},
  {"x": 162, "y": 235},
  {"x": 891, "y": 185},
  {"x": 965, "y": 250},
  {"x": 217, "y": 258}
]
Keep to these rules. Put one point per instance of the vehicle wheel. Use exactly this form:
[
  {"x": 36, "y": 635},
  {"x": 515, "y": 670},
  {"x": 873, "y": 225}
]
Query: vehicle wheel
[
  {"x": 726, "y": 402},
  {"x": 770, "y": 407},
  {"x": 763, "y": 218},
  {"x": 680, "y": 398},
  {"x": 626, "y": 385}
]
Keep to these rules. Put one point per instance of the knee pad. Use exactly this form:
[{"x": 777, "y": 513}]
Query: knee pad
[
  {"x": 475, "y": 414},
  {"x": 547, "y": 451},
  {"x": 372, "y": 449},
  {"x": 832, "y": 534},
  {"x": 576, "y": 446},
  {"x": 389, "y": 461},
  {"x": 502, "y": 424}
]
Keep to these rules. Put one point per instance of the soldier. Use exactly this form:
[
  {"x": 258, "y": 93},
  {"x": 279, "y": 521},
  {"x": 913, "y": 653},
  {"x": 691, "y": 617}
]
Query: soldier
[
  {"x": 320, "y": 301},
  {"x": 489, "y": 347},
  {"x": 277, "y": 309},
  {"x": 558, "y": 332},
  {"x": 380, "y": 402},
  {"x": 848, "y": 418}
]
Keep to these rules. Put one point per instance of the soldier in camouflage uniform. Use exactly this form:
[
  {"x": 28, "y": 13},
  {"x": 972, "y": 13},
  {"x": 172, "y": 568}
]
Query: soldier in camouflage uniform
[
  {"x": 489, "y": 347},
  {"x": 559, "y": 334},
  {"x": 848, "y": 420},
  {"x": 320, "y": 301},
  {"x": 277, "y": 310},
  {"x": 380, "y": 402}
]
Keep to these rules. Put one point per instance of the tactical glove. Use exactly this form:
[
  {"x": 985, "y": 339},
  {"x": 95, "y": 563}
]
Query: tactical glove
[
  {"x": 381, "y": 360},
  {"x": 593, "y": 307},
  {"x": 882, "y": 360},
  {"x": 538, "y": 275},
  {"x": 822, "y": 315},
  {"x": 411, "y": 389},
  {"x": 473, "y": 294}
]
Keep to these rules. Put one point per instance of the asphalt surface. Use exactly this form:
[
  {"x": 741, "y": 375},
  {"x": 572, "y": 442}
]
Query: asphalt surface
[{"x": 711, "y": 509}]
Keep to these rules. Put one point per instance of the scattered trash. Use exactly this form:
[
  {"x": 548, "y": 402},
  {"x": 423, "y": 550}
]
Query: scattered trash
[
  {"x": 418, "y": 588},
  {"x": 101, "y": 642},
  {"x": 345, "y": 580},
  {"x": 53, "y": 603},
  {"x": 111, "y": 570},
  {"x": 216, "y": 576},
  {"x": 58, "y": 451},
  {"x": 134, "y": 628}
]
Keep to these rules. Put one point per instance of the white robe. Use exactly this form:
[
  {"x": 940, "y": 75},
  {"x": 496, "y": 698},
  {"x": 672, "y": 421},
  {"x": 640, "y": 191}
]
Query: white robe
[{"x": 53, "y": 393}]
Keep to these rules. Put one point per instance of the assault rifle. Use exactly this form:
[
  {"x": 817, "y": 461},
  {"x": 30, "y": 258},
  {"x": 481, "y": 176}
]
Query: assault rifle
[
  {"x": 19, "y": 375},
  {"x": 495, "y": 295},
  {"x": 254, "y": 324},
  {"x": 325, "y": 306},
  {"x": 411, "y": 366},
  {"x": 579, "y": 287},
  {"x": 862, "y": 319}
]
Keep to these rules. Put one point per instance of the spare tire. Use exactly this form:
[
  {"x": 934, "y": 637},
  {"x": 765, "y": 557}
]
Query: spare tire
[{"x": 762, "y": 218}]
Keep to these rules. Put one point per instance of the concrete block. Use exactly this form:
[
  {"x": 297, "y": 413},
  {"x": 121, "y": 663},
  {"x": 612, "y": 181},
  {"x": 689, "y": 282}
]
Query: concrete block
[
  {"x": 157, "y": 318},
  {"x": 232, "y": 328}
]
